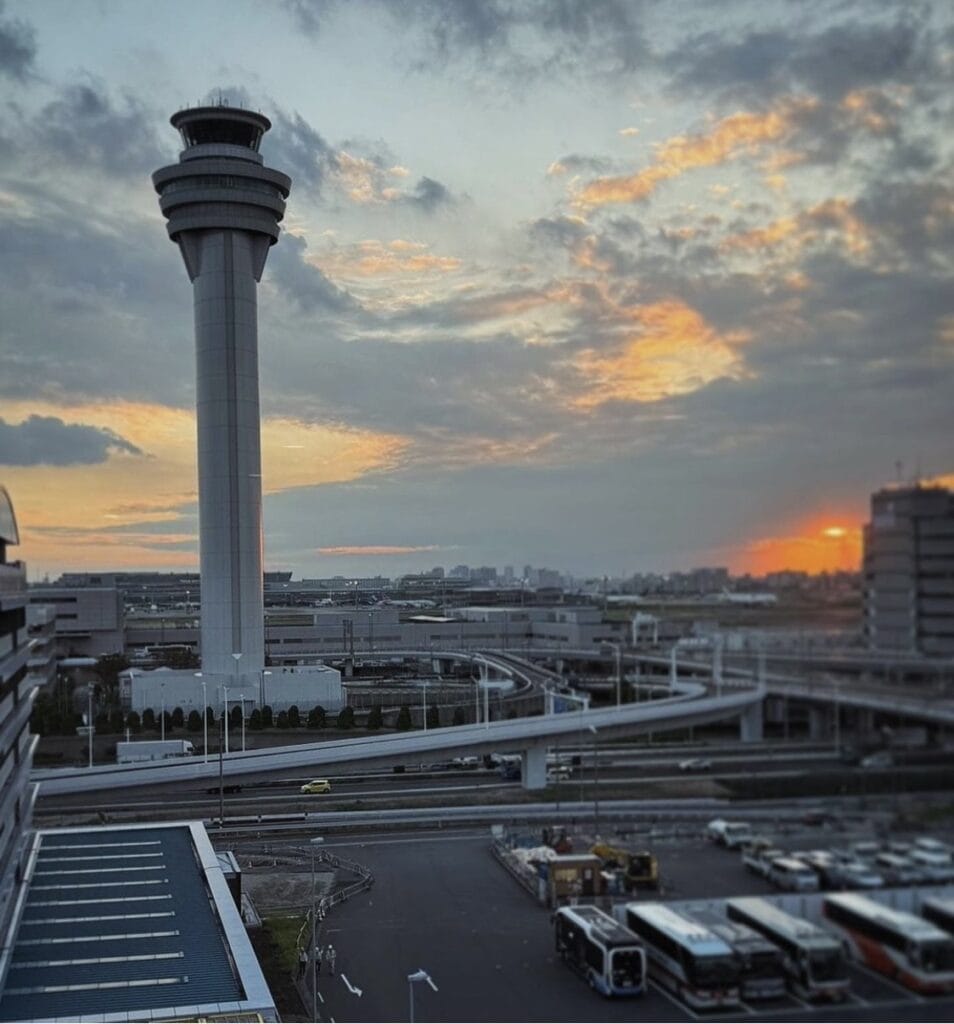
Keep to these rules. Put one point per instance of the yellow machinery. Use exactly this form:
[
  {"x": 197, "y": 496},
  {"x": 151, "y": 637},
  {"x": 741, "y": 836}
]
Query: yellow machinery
[{"x": 640, "y": 870}]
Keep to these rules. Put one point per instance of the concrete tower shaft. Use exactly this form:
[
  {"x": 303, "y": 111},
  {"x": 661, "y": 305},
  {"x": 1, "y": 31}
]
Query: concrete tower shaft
[{"x": 223, "y": 208}]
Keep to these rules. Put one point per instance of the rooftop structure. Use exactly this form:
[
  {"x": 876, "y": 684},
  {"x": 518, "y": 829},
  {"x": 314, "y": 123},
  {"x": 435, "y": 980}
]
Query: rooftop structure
[{"x": 131, "y": 923}]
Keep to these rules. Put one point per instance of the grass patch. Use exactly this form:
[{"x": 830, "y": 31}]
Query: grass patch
[{"x": 283, "y": 933}]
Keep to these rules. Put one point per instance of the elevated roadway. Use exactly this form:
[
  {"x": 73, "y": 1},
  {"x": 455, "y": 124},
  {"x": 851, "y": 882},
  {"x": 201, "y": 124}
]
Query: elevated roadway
[{"x": 690, "y": 704}]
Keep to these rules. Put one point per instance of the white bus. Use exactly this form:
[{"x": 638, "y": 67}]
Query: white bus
[
  {"x": 685, "y": 956},
  {"x": 915, "y": 952},
  {"x": 814, "y": 959},
  {"x": 609, "y": 956},
  {"x": 761, "y": 971}
]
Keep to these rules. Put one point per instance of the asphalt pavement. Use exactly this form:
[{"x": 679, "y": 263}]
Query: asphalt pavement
[{"x": 442, "y": 904}]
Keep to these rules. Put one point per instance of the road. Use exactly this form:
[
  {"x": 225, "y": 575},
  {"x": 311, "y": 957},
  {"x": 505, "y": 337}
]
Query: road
[
  {"x": 441, "y": 903},
  {"x": 265, "y": 793}
]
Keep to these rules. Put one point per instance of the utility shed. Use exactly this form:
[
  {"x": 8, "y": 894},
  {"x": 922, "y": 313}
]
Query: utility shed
[{"x": 130, "y": 923}]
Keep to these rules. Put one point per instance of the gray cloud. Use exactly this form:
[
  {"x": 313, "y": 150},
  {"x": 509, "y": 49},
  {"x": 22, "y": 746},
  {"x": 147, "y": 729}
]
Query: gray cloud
[
  {"x": 48, "y": 441},
  {"x": 303, "y": 282},
  {"x": 522, "y": 38},
  {"x": 17, "y": 47},
  {"x": 829, "y": 63},
  {"x": 429, "y": 195},
  {"x": 83, "y": 126},
  {"x": 295, "y": 147}
]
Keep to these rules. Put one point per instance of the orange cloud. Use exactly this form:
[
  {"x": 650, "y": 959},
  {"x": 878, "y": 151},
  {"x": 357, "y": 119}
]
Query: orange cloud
[
  {"x": 672, "y": 352},
  {"x": 832, "y": 220},
  {"x": 127, "y": 491},
  {"x": 733, "y": 136},
  {"x": 374, "y": 258}
]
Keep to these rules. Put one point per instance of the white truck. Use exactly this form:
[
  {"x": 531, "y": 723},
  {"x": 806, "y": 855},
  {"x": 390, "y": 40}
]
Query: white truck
[
  {"x": 731, "y": 834},
  {"x": 152, "y": 750}
]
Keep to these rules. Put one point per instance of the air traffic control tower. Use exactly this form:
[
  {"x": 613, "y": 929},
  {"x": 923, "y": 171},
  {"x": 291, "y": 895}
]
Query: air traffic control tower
[{"x": 223, "y": 207}]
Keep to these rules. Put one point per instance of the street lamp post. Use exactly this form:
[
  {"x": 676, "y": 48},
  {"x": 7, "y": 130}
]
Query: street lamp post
[
  {"x": 261, "y": 693},
  {"x": 412, "y": 979},
  {"x": 225, "y": 715},
  {"x": 162, "y": 714},
  {"x": 424, "y": 701},
  {"x": 317, "y": 841},
  {"x": 596, "y": 787},
  {"x": 89, "y": 720},
  {"x": 205, "y": 721}
]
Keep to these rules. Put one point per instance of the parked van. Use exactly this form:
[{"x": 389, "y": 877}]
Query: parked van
[
  {"x": 792, "y": 875},
  {"x": 731, "y": 834}
]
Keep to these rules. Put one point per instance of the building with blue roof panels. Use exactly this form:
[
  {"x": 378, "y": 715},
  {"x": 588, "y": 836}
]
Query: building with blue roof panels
[{"x": 131, "y": 923}]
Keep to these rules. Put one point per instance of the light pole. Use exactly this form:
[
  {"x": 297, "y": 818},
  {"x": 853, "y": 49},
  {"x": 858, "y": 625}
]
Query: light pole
[
  {"x": 243, "y": 699},
  {"x": 89, "y": 720},
  {"x": 261, "y": 694},
  {"x": 424, "y": 701},
  {"x": 419, "y": 975},
  {"x": 225, "y": 716},
  {"x": 596, "y": 787},
  {"x": 618, "y": 648},
  {"x": 317, "y": 841},
  {"x": 205, "y": 720},
  {"x": 162, "y": 714}
]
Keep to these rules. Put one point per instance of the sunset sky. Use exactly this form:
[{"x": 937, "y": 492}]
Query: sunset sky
[{"x": 600, "y": 285}]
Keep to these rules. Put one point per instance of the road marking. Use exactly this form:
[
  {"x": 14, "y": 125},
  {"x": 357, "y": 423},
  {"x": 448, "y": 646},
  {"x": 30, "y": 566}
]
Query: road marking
[
  {"x": 675, "y": 1002},
  {"x": 320, "y": 996},
  {"x": 914, "y": 997},
  {"x": 354, "y": 991}
]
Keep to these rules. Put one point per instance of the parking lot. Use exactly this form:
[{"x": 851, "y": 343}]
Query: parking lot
[{"x": 441, "y": 903}]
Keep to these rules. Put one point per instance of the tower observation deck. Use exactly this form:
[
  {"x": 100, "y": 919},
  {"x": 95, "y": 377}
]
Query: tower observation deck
[{"x": 223, "y": 207}]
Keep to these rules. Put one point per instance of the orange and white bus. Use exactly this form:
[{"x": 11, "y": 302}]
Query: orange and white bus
[{"x": 902, "y": 946}]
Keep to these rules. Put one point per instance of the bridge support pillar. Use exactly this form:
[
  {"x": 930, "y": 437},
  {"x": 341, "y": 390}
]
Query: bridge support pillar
[
  {"x": 348, "y": 668},
  {"x": 751, "y": 724},
  {"x": 533, "y": 768},
  {"x": 821, "y": 723}
]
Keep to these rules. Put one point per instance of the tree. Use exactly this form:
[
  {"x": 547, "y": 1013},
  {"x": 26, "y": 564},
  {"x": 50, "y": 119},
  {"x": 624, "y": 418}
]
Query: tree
[
  {"x": 167, "y": 719},
  {"x": 178, "y": 718},
  {"x": 235, "y": 717},
  {"x": 433, "y": 717},
  {"x": 194, "y": 722},
  {"x": 255, "y": 720},
  {"x": 108, "y": 668},
  {"x": 460, "y": 717},
  {"x": 116, "y": 721},
  {"x": 134, "y": 722},
  {"x": 375, "y": 718},
  {"x": 346, "y": 718},
  {"x": 209, "y": 717},
  {"x": 180, "y": 658},
  {"x": 267, "y": 720},
  {"x": 317, "y": 717},
  {"x": 294, "y": 717},
  {"x": 148, "y": 719},
  {"x": 282, "y": 720},
  {"x": 403, "y": 719}
]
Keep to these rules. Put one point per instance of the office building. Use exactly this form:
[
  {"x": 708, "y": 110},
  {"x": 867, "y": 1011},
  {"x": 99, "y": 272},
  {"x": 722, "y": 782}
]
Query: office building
[
  {"x": 909, "y": 571},
  {"x": 17, "y": 793}
]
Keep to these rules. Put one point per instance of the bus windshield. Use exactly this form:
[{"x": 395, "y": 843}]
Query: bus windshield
[
  {"x": 937, "y": 956},
  {"x": 827, "y": 965},
  {"x": 627, "y": 967},
  {"x": 764, "y": 965},
  {"x": 715, "y": 972}
]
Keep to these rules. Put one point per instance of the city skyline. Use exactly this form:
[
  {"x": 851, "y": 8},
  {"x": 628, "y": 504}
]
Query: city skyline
[{"x": 572, "y": 285}]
